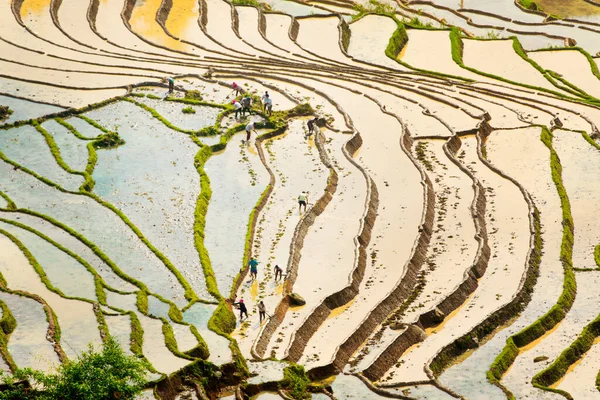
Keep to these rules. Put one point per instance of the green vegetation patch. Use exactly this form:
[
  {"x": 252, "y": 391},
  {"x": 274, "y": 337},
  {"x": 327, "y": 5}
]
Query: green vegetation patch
[
  {"x": 374, "y": 7},
  {"x": 5, "y": 112},
  {"x": 260, "y": 5},
  {"x": 108, "y": 141},
  {"x": 296, "y": 382},
  {"x": 116, "y": 375},
  {"x": 188, "y": 110},
  {"x": 558, "y": 312}
]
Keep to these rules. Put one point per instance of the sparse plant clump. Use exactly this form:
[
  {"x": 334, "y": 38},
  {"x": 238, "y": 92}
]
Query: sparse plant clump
[
  {"x": 108, "y": 141},
  {"x": 296, "y": 381},
  {"x": 374, "y": 7},
  {"x": 5, "y": 112},
  {"x": 188, "y": 110},
  {"x": 193, "y": 95},
  {"x": 255, "y": 3}
]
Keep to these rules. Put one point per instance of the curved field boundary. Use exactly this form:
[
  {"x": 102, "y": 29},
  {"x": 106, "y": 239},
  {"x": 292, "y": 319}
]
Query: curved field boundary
[
  {"x": 557, "y": 313},
  {"x": 475, "y": 272},
  {"x": 519, "y": 300},
  {"x": 404, "y": 287},
  {"x": 260, "y": 345},
  {"x": 459, "y": 294},
  {"x": 585, "y": 340},
  {"x": 312, "y": 323},
  {"x": 457, "y": 55}
]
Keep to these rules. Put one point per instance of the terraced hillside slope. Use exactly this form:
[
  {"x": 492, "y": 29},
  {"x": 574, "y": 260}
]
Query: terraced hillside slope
[{"x": 446, "y": 152}]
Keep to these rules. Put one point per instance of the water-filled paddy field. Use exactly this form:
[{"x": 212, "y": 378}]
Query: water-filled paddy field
[{"x": 420, "y": 204}]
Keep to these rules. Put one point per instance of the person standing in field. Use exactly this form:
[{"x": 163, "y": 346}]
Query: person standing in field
[
  {"x": 262, "y": 311},
  {"x": 237, "y": 89},
  {"x": 264, "y": 100},
  {"x": 302, "y": 201},
  {"x": 246, "y": 105},
  {"x": 278, "y": 273},
  {"x": 249, "y": 129},
  {"x": 237, "y": 107},
  {"x": 253, "y": 264},
  {"x": 243, "y": 309},
  {"x": 268, "y": 106},
  {"x": 171, "y": 84}
]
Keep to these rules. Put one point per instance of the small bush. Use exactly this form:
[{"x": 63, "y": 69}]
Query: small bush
[
  {"x": 193, "y": 95},
  {"x": 296, "y": 381},
  {"x": 5, "y": 112},
  {"x": 108, "y": 375},
  {"x": 188, "y": 110},
  {"x": 108, "y": 140}
]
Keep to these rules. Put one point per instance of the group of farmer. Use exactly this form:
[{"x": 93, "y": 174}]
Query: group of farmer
[
  {"x": 262, "y": 310},
  {"x": 241, "y": 107},
  {"x": 253, "y": 266},
  {"x": 245, "y": 105}
]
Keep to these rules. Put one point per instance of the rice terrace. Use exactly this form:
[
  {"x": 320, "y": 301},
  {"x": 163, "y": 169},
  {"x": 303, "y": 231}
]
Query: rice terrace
[{"x": 303, "y": 199}]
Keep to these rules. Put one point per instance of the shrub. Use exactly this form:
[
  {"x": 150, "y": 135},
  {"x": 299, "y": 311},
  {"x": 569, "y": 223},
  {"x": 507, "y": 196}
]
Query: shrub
[
  {"x": 108, "y": 140},
  {"x": 5, "y": 112},
  {"x": 188, "y": 110},
  {"x": 193, "y": 95},
  {"x": 296, "y": 381},
  {"x": 107, "y": 375}
]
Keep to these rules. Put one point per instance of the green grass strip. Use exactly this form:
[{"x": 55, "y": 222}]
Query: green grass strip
[
  {"x": 39, "y": 270},
  {"x": 72, "y": 129},
  {"x": 396, "y": 44},
  {"x": 10, "y": 205},
  {"x": 93, "y": 123},
  {"x": 88, "y": 180},
  {"x": 99, "y": 282},
  {"x": 457, "y": 56},
  {"x": 558, "y": 312},
  {"x": 189, "y": 293},
  {"x": 155, "y": 114},
  {"x": 8, "y": 324}
]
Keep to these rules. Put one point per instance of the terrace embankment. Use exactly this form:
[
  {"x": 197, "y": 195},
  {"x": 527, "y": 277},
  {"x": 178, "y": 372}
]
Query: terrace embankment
[
  {"x": 501, "y": 193},
  {"x": 296, "y": 167},
  {"x": 381, "y": 272}
]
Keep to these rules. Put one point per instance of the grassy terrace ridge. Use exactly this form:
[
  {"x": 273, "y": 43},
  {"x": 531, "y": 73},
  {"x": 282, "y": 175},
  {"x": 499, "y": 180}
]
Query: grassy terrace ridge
[
  {"x": 189, "y": 293},
  {"x": 581, "y": 96},
  {"x": 174, "y": 313},
  {"x": 557, "y": 312}
]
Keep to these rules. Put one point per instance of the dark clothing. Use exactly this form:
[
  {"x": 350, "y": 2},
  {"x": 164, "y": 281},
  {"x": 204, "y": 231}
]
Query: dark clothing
[
  {"x": 278, "y": 273},
  {"x": 243, "y": 310},
  {"x": 261, "y": 315}
]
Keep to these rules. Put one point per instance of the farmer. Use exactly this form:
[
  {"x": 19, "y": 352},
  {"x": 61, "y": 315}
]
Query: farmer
[
  {"x": 237, "y": 89},
  {"x": 253, "y": 264},
  {"x": 264, "y": 100},
  {"x": 278, "y": 273},
  {"x": 312, "y": 124},
  {"x": 171, "y": 84},
  {"x": 268, "y": 105},
  {"x": 246, "y": 104},
  {"x": 237, "y": 107},
  {"x": 249, "y": 129},
  {"x": 243, "y": 309},
  {"x": 302, "y": 200},
  {"x": 261, "y": 311}
]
